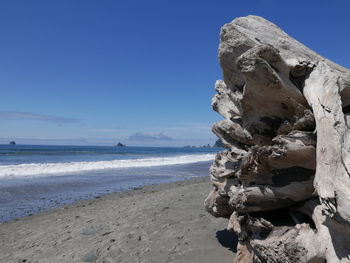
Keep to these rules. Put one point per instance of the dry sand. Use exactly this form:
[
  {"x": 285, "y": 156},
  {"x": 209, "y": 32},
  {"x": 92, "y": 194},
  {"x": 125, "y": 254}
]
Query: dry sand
[{"x": 159, "y": 223}]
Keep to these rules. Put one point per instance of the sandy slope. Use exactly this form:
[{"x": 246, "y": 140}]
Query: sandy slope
[{"x": 160, "y": 223}]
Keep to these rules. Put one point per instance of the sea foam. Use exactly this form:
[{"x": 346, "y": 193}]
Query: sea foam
[{"x": 43, "y": 169}]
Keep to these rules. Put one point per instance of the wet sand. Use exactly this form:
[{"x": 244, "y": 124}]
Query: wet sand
[
  {"x": 21, "y": 196},
  {"x": 157, "y": 223}
]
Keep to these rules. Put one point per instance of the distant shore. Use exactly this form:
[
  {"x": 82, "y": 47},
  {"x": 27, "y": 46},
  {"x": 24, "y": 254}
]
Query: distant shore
[{"x": 157, "y": 223}]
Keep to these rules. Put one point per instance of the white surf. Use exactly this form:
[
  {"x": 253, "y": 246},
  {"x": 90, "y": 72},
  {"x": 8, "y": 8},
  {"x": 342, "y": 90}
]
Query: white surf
[{"x": 43, "y": 169}]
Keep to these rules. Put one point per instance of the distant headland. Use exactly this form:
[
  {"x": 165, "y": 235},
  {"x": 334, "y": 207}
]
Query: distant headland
[{"x": 217, "y": 144}]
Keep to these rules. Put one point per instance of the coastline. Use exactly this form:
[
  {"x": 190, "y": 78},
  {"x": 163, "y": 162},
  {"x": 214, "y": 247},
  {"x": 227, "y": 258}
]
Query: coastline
[
  {"x": 156, "y": 223},
  {"x": 23, "y": 196}
]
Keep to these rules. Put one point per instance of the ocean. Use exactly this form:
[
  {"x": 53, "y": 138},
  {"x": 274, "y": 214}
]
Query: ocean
[{"x": 35, "y": 178}]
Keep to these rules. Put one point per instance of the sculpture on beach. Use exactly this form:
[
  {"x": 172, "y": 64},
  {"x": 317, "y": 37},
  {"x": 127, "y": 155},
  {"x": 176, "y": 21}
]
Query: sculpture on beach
[{"x": 284, "y": 179}]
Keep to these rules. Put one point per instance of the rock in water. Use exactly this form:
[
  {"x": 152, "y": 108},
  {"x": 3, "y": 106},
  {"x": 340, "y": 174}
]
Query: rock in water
[
  {"x": 284, "y": 180},
  {"x": 218, "y": 144}
]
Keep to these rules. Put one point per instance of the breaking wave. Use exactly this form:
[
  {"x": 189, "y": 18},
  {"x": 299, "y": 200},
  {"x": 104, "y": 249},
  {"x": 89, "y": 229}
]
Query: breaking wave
[{"x": 43, "y": 169}]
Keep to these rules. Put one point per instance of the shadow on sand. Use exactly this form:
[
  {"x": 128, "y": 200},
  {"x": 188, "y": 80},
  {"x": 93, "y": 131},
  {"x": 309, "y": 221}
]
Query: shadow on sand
[{"x": 227, "y": 239}]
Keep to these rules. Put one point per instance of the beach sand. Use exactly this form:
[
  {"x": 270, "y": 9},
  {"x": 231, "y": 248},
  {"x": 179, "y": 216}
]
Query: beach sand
[{"x": 158, "y": 223}]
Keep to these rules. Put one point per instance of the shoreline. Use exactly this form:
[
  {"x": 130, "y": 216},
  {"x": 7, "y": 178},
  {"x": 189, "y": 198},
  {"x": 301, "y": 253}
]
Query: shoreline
[
  {"x": 155, "y": 223},
  {"x": 23, "y": 196}
]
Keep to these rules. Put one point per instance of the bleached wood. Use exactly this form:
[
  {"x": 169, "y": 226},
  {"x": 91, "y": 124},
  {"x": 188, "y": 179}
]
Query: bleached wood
[{"x": 286, "y": 127}]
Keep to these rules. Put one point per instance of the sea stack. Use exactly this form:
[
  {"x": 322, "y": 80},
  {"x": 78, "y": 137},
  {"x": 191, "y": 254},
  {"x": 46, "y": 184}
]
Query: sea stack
[{"x": 284, "y": 180}]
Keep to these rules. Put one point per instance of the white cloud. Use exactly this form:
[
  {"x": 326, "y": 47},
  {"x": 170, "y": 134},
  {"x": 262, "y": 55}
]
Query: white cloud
[
  {"x": 17, "y": 115},
  {"x": 144, "y": 137}
]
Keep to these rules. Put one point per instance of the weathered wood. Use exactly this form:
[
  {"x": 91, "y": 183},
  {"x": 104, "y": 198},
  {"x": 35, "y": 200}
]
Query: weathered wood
[{"x": 284, "y": 182}]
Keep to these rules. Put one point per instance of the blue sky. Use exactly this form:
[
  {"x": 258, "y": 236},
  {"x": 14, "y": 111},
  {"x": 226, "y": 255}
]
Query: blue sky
[{"x": 141, "y": 72}]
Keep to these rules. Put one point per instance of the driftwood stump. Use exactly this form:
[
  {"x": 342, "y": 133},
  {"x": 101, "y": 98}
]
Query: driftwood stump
[{"x": 284, "y": 179}]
